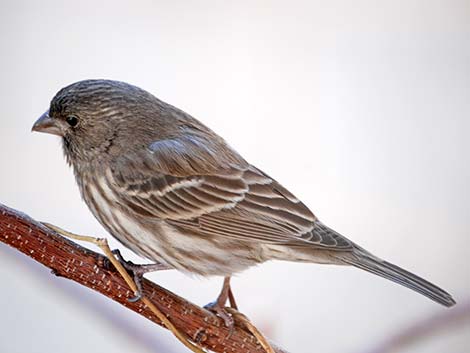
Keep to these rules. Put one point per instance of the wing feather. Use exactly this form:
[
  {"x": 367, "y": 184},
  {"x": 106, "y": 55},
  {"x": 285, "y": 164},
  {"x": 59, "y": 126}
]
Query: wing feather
[{"x": 233, "y": 199}]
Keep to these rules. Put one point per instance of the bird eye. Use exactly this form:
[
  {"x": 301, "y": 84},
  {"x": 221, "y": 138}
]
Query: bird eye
[{"x": 72, "y": 120}]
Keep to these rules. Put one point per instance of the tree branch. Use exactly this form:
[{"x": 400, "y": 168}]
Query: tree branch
[{"x": 88, "y": 268}]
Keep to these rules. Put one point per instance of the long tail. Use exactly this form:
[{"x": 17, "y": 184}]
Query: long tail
[{"x": 362, "y": 259}]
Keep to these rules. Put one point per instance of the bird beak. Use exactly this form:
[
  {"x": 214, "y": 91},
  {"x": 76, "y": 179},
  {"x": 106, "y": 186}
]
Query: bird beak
[{"x": 48, "y": 125}]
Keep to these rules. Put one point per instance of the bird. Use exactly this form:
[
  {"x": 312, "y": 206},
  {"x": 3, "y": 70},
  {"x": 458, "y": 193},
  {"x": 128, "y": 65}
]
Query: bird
[{"x": 173, "y": 191}]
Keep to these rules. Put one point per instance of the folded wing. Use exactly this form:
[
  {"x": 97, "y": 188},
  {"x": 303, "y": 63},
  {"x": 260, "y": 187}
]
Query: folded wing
[{"x": 207, "y": 188}]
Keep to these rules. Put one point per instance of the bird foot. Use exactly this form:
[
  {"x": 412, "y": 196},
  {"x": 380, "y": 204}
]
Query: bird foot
[
  {"x": 137, "y": 272},
  {"x": 221, "y": 312}
]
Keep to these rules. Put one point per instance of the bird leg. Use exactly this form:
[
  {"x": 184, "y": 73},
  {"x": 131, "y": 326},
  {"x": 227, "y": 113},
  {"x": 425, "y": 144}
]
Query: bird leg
[
  {"x": 231, "y": 314},
  {"x": 138, "y": 272},
  {"x": 218, "y": 307},
  {"x": 231, "y": 299}
]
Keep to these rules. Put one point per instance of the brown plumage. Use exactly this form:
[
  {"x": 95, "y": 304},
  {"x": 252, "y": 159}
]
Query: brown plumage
[{"x": 173, "y": 191}]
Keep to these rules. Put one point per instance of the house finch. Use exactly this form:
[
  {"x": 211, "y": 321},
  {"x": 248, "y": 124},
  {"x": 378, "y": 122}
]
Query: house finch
[{"x": 173, "y": 191}]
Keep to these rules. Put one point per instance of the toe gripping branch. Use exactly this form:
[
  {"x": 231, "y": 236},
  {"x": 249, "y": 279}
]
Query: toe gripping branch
[{"x": 137, "y": 272}]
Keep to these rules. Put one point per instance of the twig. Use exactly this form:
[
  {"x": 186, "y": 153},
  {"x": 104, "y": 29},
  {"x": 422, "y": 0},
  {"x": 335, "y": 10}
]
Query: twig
[{"x": 70, "y": 260}]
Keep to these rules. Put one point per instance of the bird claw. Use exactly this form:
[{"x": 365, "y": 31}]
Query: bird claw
[
  {"x": 221, "y": 312},
  {"x": 137, "y": 275},
  {"x": 137, "y": 296},
  {"x": 137, "y": 271}
]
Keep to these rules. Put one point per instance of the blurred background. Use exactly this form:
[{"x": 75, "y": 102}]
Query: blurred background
[{"x": 360, "y": 108}]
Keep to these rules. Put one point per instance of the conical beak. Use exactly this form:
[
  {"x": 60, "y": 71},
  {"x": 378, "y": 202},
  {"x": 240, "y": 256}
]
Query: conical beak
[{"x": 48, "y": 125}]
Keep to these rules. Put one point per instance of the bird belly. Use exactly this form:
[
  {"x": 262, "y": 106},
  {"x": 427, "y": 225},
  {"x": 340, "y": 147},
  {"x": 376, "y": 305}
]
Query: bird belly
[{"x": 207, "y": 256}]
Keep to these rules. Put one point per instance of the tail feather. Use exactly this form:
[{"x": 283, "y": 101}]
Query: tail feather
[{"x": 363, "y": 260}]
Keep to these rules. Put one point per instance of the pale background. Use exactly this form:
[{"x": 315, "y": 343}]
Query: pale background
[{"x": 361, "y": 108}]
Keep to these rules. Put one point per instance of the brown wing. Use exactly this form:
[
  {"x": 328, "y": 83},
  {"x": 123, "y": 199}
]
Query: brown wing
[{"x": 233, "y": 199}]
